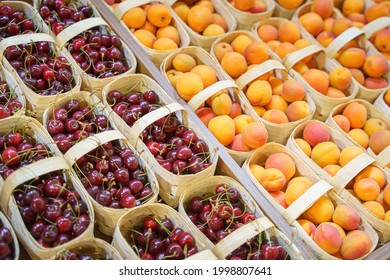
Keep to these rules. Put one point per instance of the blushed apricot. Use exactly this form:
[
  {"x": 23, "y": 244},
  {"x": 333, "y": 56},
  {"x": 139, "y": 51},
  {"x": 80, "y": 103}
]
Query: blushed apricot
[
  {"x": 259, "y": 93},
  {"x": 283, "y": 162},
  {"x": 292, "y": 91},
  {"x": 342, "y": 122},
  {"x": 315, "y": 133},
  {"x": 356, "y": 114},
  {"x": 268, "y": 33},
  {"x": 254, "y": 135},
  {"x": 275, "y": 116},
  {"x": 312, "y": 22},
  {"x": 317, "y": 79},
  {"x": 297, "y": 110}
]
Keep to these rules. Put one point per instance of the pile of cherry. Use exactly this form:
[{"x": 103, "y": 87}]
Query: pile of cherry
[
  {"x": 113, "y": 177},
  {"x": 40, "y": 68},
  {"x": 8, "y": 102},
  {"x": 176, "y": 147},
  {"x": 98, "y": 54},
  {"x": 157, "y": 239},
  {"x": 219, "y": 214},
  {"x": 73, "y": 122},
  {"x": 14, "y": 22},
  {"x": 60, "y": 14},
  {"x": 51, "y": 210},
  {"x": 19, "y": 149},
  {"x": 6, "y": 243}
]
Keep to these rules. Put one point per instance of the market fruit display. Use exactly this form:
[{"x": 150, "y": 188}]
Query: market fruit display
[
  {"x": 160, "y": 239},
  {"x": 112, "y": 176},
  {"x": 15, "y": 22},
  {"x": 51, "y": 209}
]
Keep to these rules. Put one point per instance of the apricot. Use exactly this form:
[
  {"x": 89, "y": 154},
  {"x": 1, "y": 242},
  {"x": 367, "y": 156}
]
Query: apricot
[
  {"x": 348, "y": 154},
  {"x": 258, "y": 7},
  {"x": 276, "y": 84},
  {"x": 279, "y": 197},
  {"x": 272, "y": 179},
  {"x": 375, "y": 208},
  {"x": 205, "y": 114},
  {"x": 226, "y": 135},
  {"x": 325, "y": 153},
  {"x": 359, "y": 136},
  {"x": 386, "y": 97},
  {"x": 340, "y": 25},
  {"x": 149, "y": 27},
  {"x": 164, "y": 44},
  {"x": 332, "y": 169},
  {"x": 382, "y": 201},
  {"x": 339, "y": 228},
  {"x": 218, "y": 19},
  {"x": 342, "y": 122},
  {"x": 273, "y": 44},
  {"x": 372, "y": 172},
  {"x": 289, "y": 32},
  {"x": 352, "y": 6},
  {"x": 256, "y": 170},
  {"x": 277, "y": 102},
  {"x": 375, "y": 83},
  {"x": 238, "y": 144},
  {"x": 387, "y": 216},
  {"x": 275, "y": 116},
  {"x": 172, "y": 75},
  {"x": 300, "y": 179},
  {"x": 346, "y": 217},
  {"x": 328, "y": 238},
  {"x": 334, "y": 93},
  {"x": 367, "y": 189},
  {"x": 183, "y": 62},
  {"x": 355, "y": 245},
  {"x": 182, "y": 10},
  {"x": 254, "y": 135},
  {"x": 159, "y": 15},
  {"x": 382, "y": 40},
  {"x": 357, "y": 19},
  {"x": 386, "y": 194},
  {"x": 321, "y": 211},
  {"x": 297, "y": 110},
  {"x": 315, "y": 133},
  {"x": 206, "y": 73},
  {"x": 352, "y": 58},
  {"x": 241, "y": 121},
  {"x": 188, "y": 85},
  {"x": 268, "y": 33},
  {"x": 317, "y": 79},
  {"x": 379, "y": 140},
  {"x": 213, "y": 29},
  {"x": 325, "y": 38},
  {"x": 322, "y": 7},
  {"x": 294, "y": 191},
  {"x": 240, "y": 43},
  {"x": 283, "y": 162},
  {"x": 206, "y": 4},
  {"x": 376, "y": 11},
  {"x": 244, "y": 5},
  {"x": 284, "y": 49},
  {"x": 290, "y": 4},
  {"x": 308, "y": 227},
  {"x": 376, "y": 65},
  {"x": 260, "y": 110},
  {"x": 199, "y": 17},
  {"x": 305, "y": 147},
  {"x": 357, "y": 75},
  {"x": 259, "y": 93},
  {"x": 312, "y": 22},
  {"x": 356, "y": 113},
  {"x": 292, "y": 91},
  {"x": 134, "y": 17},
  {"x": 146, "y": 38},
  {"x": 340, "y": 78},
  {"x": 301, "y": 67},
  {"x": 328, "y": 24},
  {"x": 256, "y": 53},
  {"x": 222, "y": 104},
  {"x": 236, "y": 110},
  {"x": 234, "y": 64},
  {"x": 169, "y": 32},
  {"x": 373, "y": 125}
]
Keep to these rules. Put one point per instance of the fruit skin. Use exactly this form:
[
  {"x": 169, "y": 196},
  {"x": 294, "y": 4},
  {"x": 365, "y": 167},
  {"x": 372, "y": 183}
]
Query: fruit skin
[
  {"x": 234, "y": 64},
  {"x": 356, "y": 114},
  {"x": 374, "y": 124},
  {"x": 346, "y": 217},
  {"x": 240, "y": 43},
  {"x": 272, "y": 179},
  {"x": 295, "y": 190},
  {"x": 321, "y": 211},
  {"x": 379, "y": 140},
  {"x": 267, "y": 33},
  {"x": 376, "y": 11},
  {"x": 342, "y": 122},
  {"x": 328, "y": 238},
  {"x": 340, "y": 78},
  {"x": 317, "y": 79},
  {"x": 289, "y": 32},
  {"x": 376, "y": 65},
  {"x": 188, "y": 85},
  {"x": 134, "y": 18},
  {"x": 256, "y": 53},
  {"x": 239, "y": 145},
  {"x": 283, "y": 162},
  {"x": 322, "y": 7},
  {"x": 183, "y": 62},
  {"x": 355, "y": 245},
  {"x": 199, "y": 17},
  {"x": 159, "y": 15},
  {"x": 206, "y": 73},
  {"x": 352, "y": 58},
  {"x": 241, "y": 121},
  {"x": 367, "y": 189},
  {"x": 297, "y": 110},
  {"x": 224, "y": 136},
  {"x": 221, "y": 48},
  {"x": 308, "y": 227},
  {"x": 254, "y": 135},
  {"x": 375, "y": 208},
  {"x": 222, "y": 104},
  {"x": 315, "y": 133},
  {"x": 348, "y": 154},
  {"x": 259, "y": 93},
  {"x": 312, "y": 22}
]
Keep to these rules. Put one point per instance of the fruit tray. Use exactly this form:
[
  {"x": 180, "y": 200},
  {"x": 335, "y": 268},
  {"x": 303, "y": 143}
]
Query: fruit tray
[
  {"x": 89, "y": 249},
  {"x": 223, "y": 214},
  {"x": 300, "y": 202},
  {"x": 157, "y": 54},
  {"x": 163, "y": 222},
  {"x": 44, "y": 239}
]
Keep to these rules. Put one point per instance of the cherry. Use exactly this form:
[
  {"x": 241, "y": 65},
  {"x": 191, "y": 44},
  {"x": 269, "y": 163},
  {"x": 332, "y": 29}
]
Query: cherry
[
  {"x": 269, "y": 252},
  {"x": 127, "y": 201},
  {"x": 175, "y": 251},
  {"x": 150, "y": 223},
  {"x": 38, "y": 204},
  {"x": 195, "y": 204},
  {"x": 183, "y": 153},
  {"x": 64, "y": 224},
  {"x": 155, "y": 246},
  {"x": 247, "y": 217},
  {"x": 53, "y": 187},
  {"x": 5, "y": 250},
  {"x": 225, "y": 212},
  {"x": 10, "y": 156},
  {"x": 5, "y": 235},
  {"x": 103, "y": 197},
  {"x": 79, "y": 227},
  {"x": 49, "y": 233},
  {"x": 186, "y": 239}
]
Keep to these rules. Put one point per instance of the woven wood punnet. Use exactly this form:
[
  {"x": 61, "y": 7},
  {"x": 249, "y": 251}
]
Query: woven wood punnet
[
  {"x": 292, "y": 213},
  {"x": 137, "y": 215},
  {"x": 381, "y": 104}
]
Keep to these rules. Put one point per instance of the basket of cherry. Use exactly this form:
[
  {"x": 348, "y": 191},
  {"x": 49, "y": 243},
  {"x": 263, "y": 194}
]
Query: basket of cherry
[
  {"x": 12, "y": 100},
  {"x": 159, "y": 130},
  {"x": 223, "y": 214},
  {"x": 157, "y": 232},
  {"x": 40, "y": 68},
  {"x": 18, "y": 18},
  {"x": 98, "y": 54},
  {"x": 23, "y": 141},
  {"x": 9, "y": 246},
  {"x": 46, "y": 207},
  {"x": 89, "y": 249}
]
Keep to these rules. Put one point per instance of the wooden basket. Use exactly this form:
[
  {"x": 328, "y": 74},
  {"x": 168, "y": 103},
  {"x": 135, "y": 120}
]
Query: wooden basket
[
  {"x": 283, "y": 12},
  {"x": 6, "y": 76},
  {"x": 37, "y": 103},
  {"x": 245, "y": 20},
  {"x": 238, "y": 237},
  {"x": 203, "y": 57},
  {"x": 107, "y": 217},
  {"x": 319, "y": 188},
  {"x": 31, "y": 127},
  {"x": 276, "y": 132},
  {"x": 383, "y": 158},
  {"x": 137, "y": 215},
  {"x": 197, "y": 39},
  {"x": 99, "y": 247},
  {"x": 323, "y": 103},
  {"x": 157, "y": 56},
  {"x": 8, "y": 225},
  {"x": 11, "y": 209},
  {"x": 171, "y": 185},
  {"x": 381, "y": 104},
  {"x": 374, "y": 26},
  {"x": 344, "y": 176},
  {"x": 91, "y": 84}
]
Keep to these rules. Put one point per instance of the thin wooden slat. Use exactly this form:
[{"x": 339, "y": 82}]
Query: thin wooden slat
[{"x": 230, "y": 166}]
